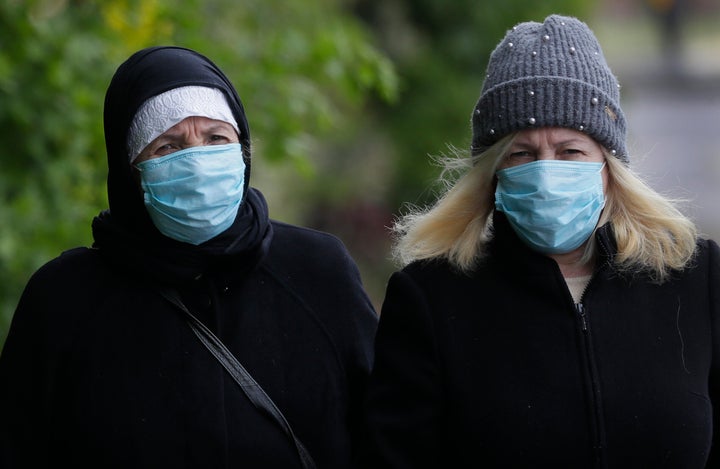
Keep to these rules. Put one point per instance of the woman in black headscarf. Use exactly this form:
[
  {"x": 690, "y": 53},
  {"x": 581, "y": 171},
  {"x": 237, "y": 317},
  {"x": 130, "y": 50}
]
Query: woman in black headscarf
[{"x": 102, "y": 368}]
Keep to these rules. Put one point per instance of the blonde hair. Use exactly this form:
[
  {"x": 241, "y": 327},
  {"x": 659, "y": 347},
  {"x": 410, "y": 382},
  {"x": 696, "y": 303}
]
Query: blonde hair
[
  {"x": 457, "y": 227},
  {"x": 651, "y": 233}
]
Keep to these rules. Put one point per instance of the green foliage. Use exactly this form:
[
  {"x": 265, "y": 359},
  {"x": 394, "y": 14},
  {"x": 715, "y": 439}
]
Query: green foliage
[{"x": 51, "y": 68}]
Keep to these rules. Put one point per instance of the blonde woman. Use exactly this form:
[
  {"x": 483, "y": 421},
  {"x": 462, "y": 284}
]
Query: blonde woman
[{"x": 552, "y": 309}]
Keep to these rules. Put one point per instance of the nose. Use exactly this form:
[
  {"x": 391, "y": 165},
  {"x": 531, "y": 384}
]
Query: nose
[
  {"x": 193, "y": 132},
  {"x": 546, "y": 153},
  {"x": 192, "y": 140}
]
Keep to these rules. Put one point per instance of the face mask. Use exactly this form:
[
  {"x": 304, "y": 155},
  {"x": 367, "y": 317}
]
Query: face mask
[
  {"x": 194, "y": 194},
  {"x": 552, "y": 205}
]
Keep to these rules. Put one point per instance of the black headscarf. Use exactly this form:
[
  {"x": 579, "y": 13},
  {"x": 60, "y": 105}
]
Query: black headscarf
[{"x": 125, "y": 232}]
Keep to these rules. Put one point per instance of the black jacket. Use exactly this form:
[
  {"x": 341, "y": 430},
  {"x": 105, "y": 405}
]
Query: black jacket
[
  {"x": 500, "y": 368},
  {"x": 99, "y": 370}
]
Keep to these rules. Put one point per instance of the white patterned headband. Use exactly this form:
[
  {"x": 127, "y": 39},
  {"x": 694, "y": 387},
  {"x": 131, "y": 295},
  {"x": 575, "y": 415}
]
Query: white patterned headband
[{"x": 161, "y": 112}]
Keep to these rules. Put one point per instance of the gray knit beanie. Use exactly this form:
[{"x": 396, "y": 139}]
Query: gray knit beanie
[{"x": 550, "y": 75}]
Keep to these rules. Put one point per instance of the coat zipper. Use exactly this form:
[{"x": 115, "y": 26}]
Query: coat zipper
[
  {"x": 581, "y": 313},
  {"x": 598, "y": 422},
  {"x": 598, "y": 426}
]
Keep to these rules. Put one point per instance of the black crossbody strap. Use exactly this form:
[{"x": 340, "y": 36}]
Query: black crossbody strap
[{"x": 249, "y": 386}]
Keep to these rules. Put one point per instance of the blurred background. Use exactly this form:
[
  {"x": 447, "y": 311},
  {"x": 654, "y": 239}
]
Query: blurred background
[{"x": 349, "y": 101}]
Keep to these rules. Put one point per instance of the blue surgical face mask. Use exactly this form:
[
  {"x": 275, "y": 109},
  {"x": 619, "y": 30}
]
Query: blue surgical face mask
[
  {"x": 194, "y": 194},
  {"x": 552, "y": 205}
]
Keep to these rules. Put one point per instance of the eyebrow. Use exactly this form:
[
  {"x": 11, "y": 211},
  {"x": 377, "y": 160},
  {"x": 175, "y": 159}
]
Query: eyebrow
[
  {"x": 221, "y": 126},
  {"x": 175, "y": 134}
]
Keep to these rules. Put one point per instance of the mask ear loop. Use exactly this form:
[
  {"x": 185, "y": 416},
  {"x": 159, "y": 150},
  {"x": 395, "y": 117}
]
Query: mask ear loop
[{"x": 604, "y": 193}]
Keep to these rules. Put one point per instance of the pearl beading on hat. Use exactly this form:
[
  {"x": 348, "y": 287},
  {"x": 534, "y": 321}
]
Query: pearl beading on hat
[{"x": 606, "y": 127}]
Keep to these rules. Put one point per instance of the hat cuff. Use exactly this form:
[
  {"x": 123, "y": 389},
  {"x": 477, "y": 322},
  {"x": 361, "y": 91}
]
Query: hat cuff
[
  {"x": 161, "y": 112},
  {"x": 548, "y": 101}
]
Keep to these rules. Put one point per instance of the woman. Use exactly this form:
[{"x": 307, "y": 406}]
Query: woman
[
  {"x": 553, "y": 310},
  {"x": 101, "y": 367}
]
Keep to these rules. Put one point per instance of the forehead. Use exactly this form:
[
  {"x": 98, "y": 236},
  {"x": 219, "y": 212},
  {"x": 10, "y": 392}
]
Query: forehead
[
  {"x": 553, "y": 135},
  {"x": 198, "y": 124}
]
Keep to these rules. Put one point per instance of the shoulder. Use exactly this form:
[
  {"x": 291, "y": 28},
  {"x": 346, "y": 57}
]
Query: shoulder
[
  {"x": 283, "y": 229},
  {"x": 708, "y": 247},
  {"x": 303, "y": 255},
  {"x": 297, "y": 242},
  {"x": 59, "y": 292},
  {"x": 74, "y": 276},
  {"x": 429, "y": 282},
  {"x": 707, "y": 256},
  {"x": 316, "y": 268},
  {"x": 436, "y": 273},
  {"x": 69, "y": 265}
]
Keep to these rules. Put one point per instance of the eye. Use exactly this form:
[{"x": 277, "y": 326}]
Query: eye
[
  {"x": 517, "y": 157},
  {"x": 573, "y": 154},
  {"x": 165, "y": 149},
  {"x": 218, "y": 138},
  {"x": 520, "y": 157}
]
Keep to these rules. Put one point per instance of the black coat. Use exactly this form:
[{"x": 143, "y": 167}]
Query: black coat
[
  {"x": 99, "y": 370},
  {"x": 499, "y": 368}
]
